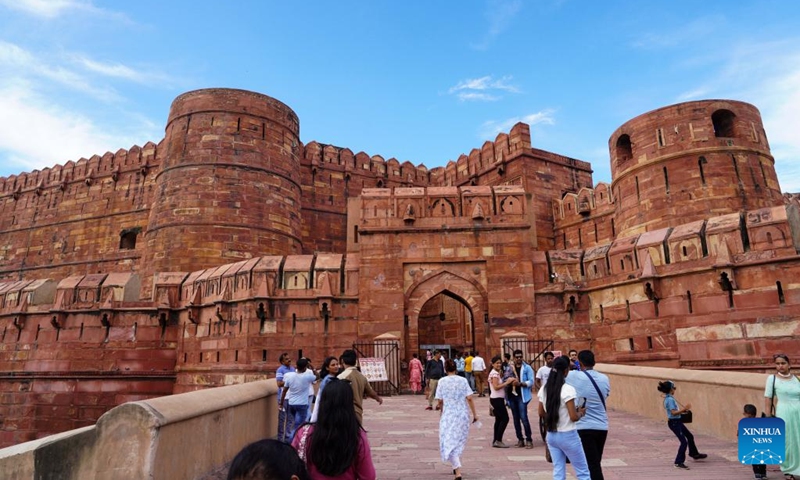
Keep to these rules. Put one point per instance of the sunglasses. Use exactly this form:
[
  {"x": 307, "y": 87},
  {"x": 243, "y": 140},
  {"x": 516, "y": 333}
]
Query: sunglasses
[
  {"x": 518, "y": 357},
  {"x": 780, "y": 355}
]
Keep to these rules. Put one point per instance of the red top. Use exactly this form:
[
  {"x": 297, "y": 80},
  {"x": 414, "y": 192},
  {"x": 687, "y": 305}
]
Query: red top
[{"x": 362, "y": 468}]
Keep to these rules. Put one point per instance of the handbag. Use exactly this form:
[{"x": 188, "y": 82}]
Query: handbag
[
  {"x": 491, "y": 411},
  {"x": 686, "y": 417}
]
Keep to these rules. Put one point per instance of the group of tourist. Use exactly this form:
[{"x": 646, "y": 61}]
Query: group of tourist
[
  {"x": 326, "y": 435},
  {"x": 573, "y": 431},
  {"x": 572, "y": 411},
  {"x": 469, "y": 365}
]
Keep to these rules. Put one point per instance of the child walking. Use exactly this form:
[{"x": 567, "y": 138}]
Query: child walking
[{"x": 759, "y": 471}]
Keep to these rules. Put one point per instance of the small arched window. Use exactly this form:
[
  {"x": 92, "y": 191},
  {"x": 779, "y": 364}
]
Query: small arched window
[
  {"x": 624, "y": 148},
  {"x": 723, "y": 121},
  {"x": 127, "y": 239}
]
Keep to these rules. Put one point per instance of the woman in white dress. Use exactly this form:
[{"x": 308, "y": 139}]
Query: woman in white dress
[{"x": 454, "y": 394}]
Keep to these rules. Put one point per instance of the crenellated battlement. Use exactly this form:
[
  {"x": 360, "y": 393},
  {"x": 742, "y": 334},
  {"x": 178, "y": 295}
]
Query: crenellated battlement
[
  {"x": 491, "y": 155},
  {"x": 727, "y": 240},
  {"x": 318, "y": 155},
  {"x": 94, "y": 169}
]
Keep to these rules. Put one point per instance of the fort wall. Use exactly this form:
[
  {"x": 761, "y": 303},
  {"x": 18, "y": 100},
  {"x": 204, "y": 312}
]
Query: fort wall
[
  {"x": 81, "y": 217},
  {"x": 196, "y": 262}
]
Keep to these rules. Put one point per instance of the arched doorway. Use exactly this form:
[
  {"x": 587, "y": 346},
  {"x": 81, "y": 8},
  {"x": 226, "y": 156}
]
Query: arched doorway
[
  {"x": 445, "y": 307},
  {"x": 446, "y": 323}
]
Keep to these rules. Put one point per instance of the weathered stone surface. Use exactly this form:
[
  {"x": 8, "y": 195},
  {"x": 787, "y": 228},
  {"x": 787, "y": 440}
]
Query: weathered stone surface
[{"x": 196, "y": 262}]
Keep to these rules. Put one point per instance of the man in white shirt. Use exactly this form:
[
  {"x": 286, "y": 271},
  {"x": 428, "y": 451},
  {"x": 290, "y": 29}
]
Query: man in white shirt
[
  {"x": 479, "y": 371},
  {"x": 544, "y": 371},
  {"x": 541, "y": 380},
  {"x": 295, "y": 390}
]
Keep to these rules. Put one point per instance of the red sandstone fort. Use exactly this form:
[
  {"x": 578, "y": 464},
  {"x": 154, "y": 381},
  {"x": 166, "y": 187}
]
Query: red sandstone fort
[{"x": 196, "y": 261}]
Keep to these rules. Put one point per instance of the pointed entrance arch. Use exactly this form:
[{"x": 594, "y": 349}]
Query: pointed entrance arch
[{"x": 466, "y": 291}]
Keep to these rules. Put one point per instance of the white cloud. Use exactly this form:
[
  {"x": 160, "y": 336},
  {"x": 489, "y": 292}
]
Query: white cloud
[
  {"x": 482, "y": 88},
  {"x": 36, "y": 134},
  {"x": 499, "y": 14},
  {"x": 485, "y": 97},
  {"x": 491, "y": 128},
  {"x": 124, "y": 72},
  {"x": 15, "y": 62},
  {"x": 695, "y": 94},
  {"x": 47, "y": 8}
]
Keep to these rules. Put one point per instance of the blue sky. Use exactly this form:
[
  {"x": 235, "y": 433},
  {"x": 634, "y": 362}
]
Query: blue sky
[{"x": 418, "y": 81}]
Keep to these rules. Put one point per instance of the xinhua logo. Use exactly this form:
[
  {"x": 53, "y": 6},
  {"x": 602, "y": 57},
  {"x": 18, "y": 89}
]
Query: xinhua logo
[{"x": 762, "y": 441}]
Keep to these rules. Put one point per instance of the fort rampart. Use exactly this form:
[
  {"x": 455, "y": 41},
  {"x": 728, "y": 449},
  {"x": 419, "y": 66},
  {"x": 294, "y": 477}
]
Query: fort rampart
[{"x": 196, "y": 262}]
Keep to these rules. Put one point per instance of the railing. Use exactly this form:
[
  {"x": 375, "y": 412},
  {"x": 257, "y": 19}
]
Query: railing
[
  {"x": 532, "y": 350},
  {"x": 389, "y": 351}
]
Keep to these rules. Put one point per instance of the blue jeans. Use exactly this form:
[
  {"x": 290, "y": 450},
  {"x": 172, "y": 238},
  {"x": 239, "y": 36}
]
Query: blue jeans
[
  {"x": 298, "y": 413},
  {"x": 685, "y": 437},
  {"x": 519, "y": 412},
  {"x": 563, "y": 445},
  {"x": 285, "y": 424},
  {"x": 470, "y": 380}
]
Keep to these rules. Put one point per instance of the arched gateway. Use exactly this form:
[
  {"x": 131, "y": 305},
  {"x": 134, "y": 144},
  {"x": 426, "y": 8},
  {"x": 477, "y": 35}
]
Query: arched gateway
[{"x": 465, "y": 331}]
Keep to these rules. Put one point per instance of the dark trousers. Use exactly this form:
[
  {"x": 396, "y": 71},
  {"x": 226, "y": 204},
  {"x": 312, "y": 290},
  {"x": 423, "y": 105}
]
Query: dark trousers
[
  {"x": 594, "y": 441},
  {"x": 519, "y": 412},
  {"x": 500, "y": 418},
  {"x": 685, "y": 437},
  {"x": 760, "y": 470}
]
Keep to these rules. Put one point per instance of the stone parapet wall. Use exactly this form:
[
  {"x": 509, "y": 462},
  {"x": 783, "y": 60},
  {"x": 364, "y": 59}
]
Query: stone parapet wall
[
  {"x": 717, "y": 398},
  {"x": 178, "y": 437}
]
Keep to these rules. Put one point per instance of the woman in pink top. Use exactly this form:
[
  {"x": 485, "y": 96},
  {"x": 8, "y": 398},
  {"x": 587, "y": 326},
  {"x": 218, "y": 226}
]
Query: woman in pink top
[
  {"x": 497, "y": 398},
  {"x": 335, "y": 447}
]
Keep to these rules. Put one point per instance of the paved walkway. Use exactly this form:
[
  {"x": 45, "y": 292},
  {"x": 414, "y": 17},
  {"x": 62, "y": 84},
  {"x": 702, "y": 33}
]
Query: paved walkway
[{"x": 405, "y": 445}]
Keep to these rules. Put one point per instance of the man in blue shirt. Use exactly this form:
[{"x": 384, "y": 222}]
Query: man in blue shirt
[
  {"x": 592, "y": 388},
  {"x": 295, "y": 392},
  {"x": 520, "y": 397},
  {"x": 284, "y": 422},
  {"x": 460, "y": 364}
]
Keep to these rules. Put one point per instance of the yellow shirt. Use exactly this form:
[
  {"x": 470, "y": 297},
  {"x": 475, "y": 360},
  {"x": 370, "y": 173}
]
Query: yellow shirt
[{"x": 468, "y": 364}]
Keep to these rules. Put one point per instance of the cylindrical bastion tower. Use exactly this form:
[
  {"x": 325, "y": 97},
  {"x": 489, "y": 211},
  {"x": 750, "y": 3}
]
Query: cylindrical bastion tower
[
  {"x": 688, "y": 162},
  {"x": 229, "y": 184}
]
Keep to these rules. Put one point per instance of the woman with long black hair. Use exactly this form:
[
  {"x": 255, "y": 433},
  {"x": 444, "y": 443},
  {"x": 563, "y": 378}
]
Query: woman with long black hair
[
  {"x": 335, "y": 447},
  {"x": 557, "y": 407},
  {"x": 497, "y": 399},
  {"x": 330, "y": 369}
]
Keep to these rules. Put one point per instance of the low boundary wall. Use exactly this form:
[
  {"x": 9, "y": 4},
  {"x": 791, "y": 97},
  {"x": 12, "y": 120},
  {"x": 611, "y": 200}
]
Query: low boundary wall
[
  {"x": 178, "y": 437},
  {"x": 717, "y": 397}
]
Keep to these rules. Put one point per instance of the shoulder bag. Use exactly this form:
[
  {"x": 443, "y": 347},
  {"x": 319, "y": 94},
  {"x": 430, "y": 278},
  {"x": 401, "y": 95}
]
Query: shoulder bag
[{"x": 597, "y": 389}]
